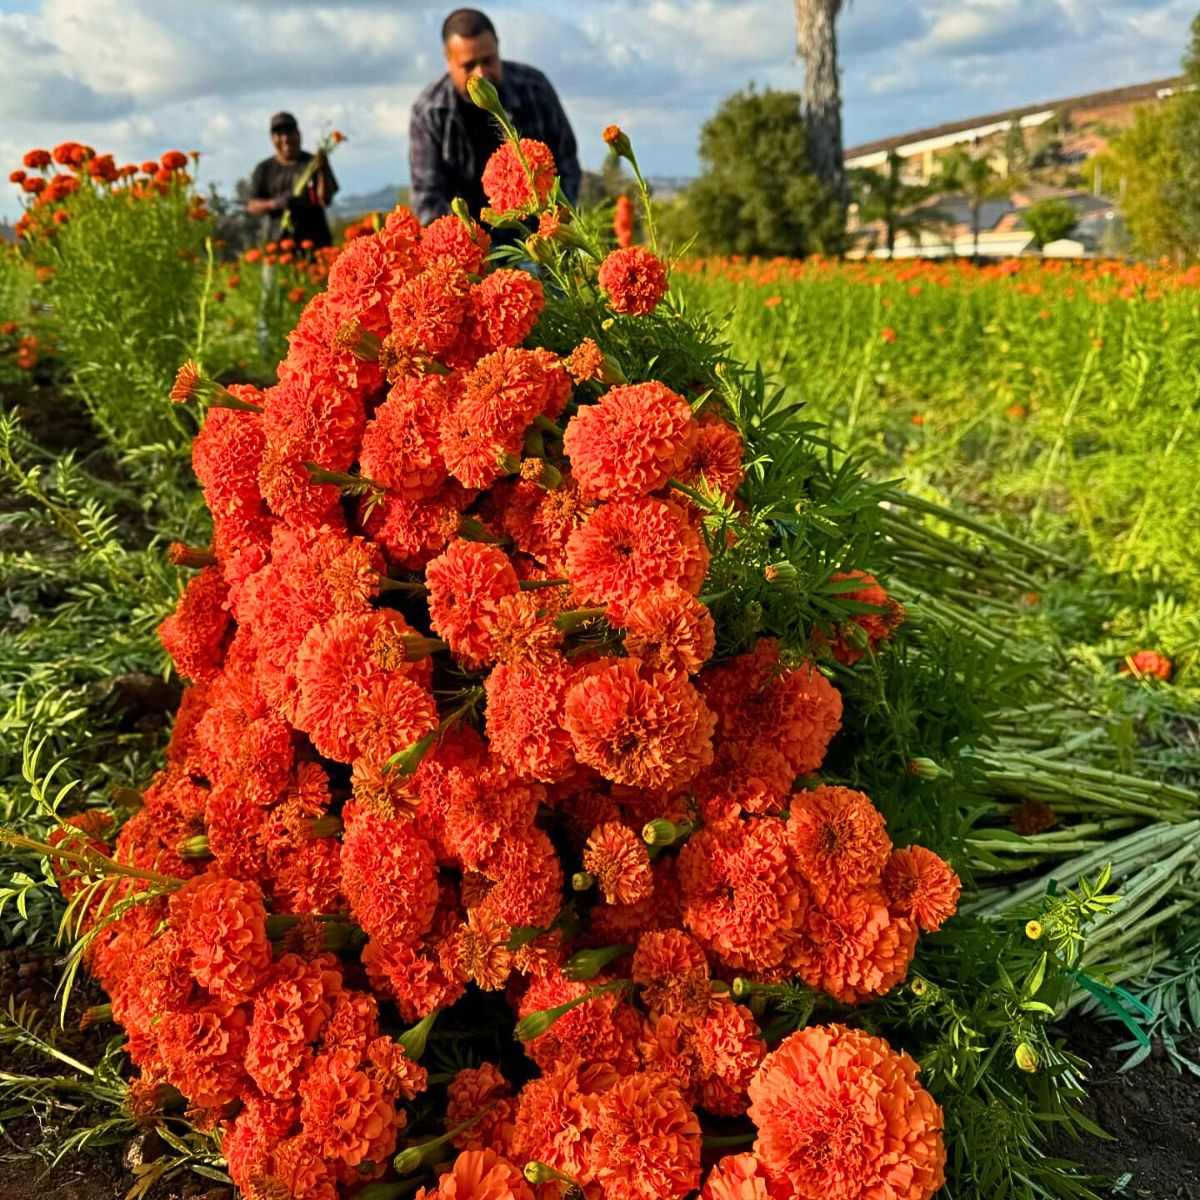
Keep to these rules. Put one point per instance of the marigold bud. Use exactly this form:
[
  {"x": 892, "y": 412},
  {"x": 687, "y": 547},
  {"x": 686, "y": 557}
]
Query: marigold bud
[
  {"x": 534, "y": 1025},
  {"x": 1033, "y": 930},
  {"x": 413, "y": 1040},
  {"x": 618, "y": 142},
  {"x": 1026, "y": 1058},
  {"x": 191, "y": 385},
  {"x": 925, "y": 768},
  {"x": 482, "y": 93},
  {"x": 587, "y": 964},
  {"x": 661, "y": 832},
  {"x": 180, "y": 555},
  {"x": 781, "y": 572}
]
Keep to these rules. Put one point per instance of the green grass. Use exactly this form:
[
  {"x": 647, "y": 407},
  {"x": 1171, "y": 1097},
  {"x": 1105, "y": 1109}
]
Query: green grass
[{"x": 1058, "y": 401}]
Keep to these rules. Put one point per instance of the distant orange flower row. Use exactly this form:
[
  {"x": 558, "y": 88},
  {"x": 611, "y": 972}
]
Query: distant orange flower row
[
  {"x": 1098, "y": 279},
  {"x": 47, "y": 189}
]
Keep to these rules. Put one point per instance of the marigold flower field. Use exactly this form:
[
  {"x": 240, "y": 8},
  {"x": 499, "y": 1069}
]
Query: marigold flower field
[{"x": 587, "y": 780}]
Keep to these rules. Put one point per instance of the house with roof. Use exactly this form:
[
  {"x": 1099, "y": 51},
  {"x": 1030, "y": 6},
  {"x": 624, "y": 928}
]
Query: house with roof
[{"x": 1064, "y": 134}]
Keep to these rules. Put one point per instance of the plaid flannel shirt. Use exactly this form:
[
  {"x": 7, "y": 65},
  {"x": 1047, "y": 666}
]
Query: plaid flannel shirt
[{"x": 441, "y": 159}]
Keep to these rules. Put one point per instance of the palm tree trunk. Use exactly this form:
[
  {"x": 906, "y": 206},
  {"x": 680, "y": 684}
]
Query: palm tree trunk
[{"x": 816, "y": 44}]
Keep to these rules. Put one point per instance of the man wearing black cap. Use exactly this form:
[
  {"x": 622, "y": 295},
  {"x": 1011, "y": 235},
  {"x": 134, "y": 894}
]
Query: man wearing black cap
[
  {"x": 450, "y": 140},
  {"x": 273, "y": 187}
]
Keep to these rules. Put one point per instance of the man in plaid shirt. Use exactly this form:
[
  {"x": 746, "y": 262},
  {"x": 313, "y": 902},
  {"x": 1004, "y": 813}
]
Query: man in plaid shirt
[{"x": 450, "y": 140}]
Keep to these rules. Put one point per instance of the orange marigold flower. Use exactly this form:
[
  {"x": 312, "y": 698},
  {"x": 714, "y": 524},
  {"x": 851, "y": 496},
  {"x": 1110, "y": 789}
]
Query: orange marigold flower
[
  {"x": 888, "y": 333},
  {"x": 672, "y": 970},
  {"x": 289, "y": 1012},
  {"x": 479, "y": 951},
  {"x": 223, "y": 924},
  {"x": 1147, "y": 662},
  {"x": 646, "y": 1144},
  {"x": 199, "y": 630},
  {"x": 619, "y": 860},
  {"x": 506, "y": 389},
  {"x": 838, "y": 837},
  {"x": 634, "y": 281},
  {"x": 389, "y": 875},
  {"x": 795, "y": 710},
  {"x": 555, "y": 1115},
  {"x": 631, "y": 442},
  {"x": 427, "y": 311},
  {"x": 921, "y": 886},
  {"x": 714, "y": 462},
  {"x": 852, "y": 947},
  {"x": 202, "y": 1048},
  {"x": 349, "y": 1114},
  {"x": 481, "y": 1090},
  {"x": 401, "y": 443},
  {"x": 741, "y": 892},
  {"x": 742, "y": 1177},
  {"x": 840, "y": 1115},
  {"x": 628, "y": 548},
  {"x": 504, "y": 307},
  {"x": 347, "y": 701},
  {"x": 36, "y": 160},
  {"x": 479, "y": 1175},
  {"x": 449, "y": 237},
  {"x": 524, "y": 633},
  {"x": 602, "y": 1029},
  {"x": 668, "y": 630},
  {"x": 646, "y": 730},
  {"x": 466, "y": 583},
  {"x": 525, "y": 719},
  {"x": 585, "y": 362},
  {"x": 506, "y": 184}
]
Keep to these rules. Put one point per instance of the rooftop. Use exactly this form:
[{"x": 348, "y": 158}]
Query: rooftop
[{"x": 1132, "y": 94}]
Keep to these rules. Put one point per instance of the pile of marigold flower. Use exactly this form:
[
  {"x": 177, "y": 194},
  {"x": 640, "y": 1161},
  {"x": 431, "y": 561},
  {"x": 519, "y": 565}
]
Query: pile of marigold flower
[{"x": 455, "y": 730}]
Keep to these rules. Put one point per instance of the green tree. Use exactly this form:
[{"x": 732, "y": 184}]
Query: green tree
[
  {"x": 757, "y": 193},
  {"x": 1016, "y": 152},
  {"x": 1181, "y": 188},
  {"x": 1143, "y": 168},
  {"x": 816, "y": 44},
  {"x": 1050, "y": 219},
  {"x": 902, "y": 207},
  {"x": 1154, "y": 168},
  {"x": 976, "y": 178}
]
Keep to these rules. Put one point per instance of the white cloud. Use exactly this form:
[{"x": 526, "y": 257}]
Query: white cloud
[{"x": 140, "y": 76}]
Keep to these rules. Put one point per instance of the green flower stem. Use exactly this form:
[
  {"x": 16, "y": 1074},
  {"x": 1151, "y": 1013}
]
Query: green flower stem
[
  {"x": 532, "y": 585},
  {"x": 992, "y": 533},
  {"x": 1127, "y": 854},
  {"x": 693, "y": 495},
  {"x": 415, "y": 1157},
  {"x": 717, "y": 1142},
  {"x": 387, "y": 584},
  {"x": 95, "y": 862},
  {"x": 536, "y": 1023}
]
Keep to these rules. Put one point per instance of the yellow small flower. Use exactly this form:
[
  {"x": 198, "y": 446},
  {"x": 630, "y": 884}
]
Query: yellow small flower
[{"x": 1033, "y": 930}]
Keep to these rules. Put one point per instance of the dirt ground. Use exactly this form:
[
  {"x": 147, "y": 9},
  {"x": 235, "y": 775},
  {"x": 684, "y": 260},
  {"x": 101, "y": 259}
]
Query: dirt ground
[{"x": 1152, "y": 1112}]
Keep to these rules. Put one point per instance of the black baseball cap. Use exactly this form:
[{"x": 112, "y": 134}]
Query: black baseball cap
[{"x": 283, "y": 120}]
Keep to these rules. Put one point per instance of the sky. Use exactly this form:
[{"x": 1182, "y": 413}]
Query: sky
[{"x": 137, "y": 77}]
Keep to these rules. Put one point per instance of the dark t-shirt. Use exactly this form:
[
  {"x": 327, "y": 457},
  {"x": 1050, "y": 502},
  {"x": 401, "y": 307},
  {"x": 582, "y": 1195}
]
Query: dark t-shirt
[
  {"x": 274, "y": 180},
  {"x": 485, "y": 137}
]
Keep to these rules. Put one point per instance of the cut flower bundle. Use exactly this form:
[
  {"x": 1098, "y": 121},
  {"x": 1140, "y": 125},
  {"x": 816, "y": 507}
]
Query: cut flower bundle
[{"x": 466, "y": 733}]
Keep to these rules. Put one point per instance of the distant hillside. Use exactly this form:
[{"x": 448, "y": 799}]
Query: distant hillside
[{"x": 383, "y": 199}]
